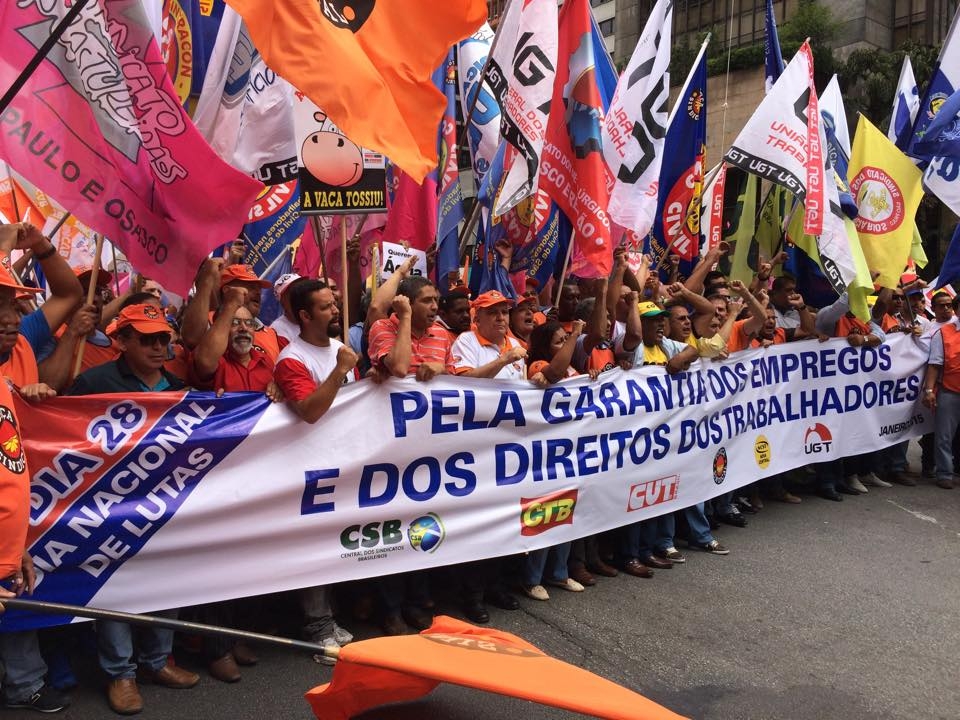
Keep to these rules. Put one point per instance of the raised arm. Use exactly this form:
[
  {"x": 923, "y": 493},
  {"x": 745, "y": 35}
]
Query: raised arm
[
  {"x": 214, "y": 342},
  {"x": 557, "y": 369},
  {"x": 196, "y": 314}
]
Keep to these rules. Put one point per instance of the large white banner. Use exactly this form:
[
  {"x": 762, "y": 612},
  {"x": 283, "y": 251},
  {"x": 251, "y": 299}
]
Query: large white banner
[{"x": 168, "y": 500}]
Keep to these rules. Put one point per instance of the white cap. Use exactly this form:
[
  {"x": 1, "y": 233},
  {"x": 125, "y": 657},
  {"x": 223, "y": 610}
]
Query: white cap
[{"x": 282, "y": 283}]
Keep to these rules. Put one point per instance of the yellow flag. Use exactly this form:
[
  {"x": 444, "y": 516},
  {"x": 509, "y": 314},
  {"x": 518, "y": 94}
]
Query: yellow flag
[
  {"x": 740, "y": 233},
  {"x": 886, "y": 185}
]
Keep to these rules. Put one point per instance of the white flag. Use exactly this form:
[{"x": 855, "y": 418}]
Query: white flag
[
  {"x": 520, "y": 74},
  {"x": 783, "y": 141},
  {"x": 245, "y": 110},
  {"x": 906, "y": 103},
  {"x": 484, "y": 129},
  {"x": 635, "y": 126}
]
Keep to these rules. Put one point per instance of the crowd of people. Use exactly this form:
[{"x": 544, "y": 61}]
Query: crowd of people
[{"x": 407, "y": 327}]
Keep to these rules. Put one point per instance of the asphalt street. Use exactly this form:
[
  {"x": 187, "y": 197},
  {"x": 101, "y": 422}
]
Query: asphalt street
[{"x": 822, "y": 610}]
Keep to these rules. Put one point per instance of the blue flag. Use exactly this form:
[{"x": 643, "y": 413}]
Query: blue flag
[
  {"x": 772, "y": 57},
  {"x": 676, "y": 226},
  {"x": 950, "y": 270},
  {"x": 450, "y": 202},
  {"x": 942, "y": 136},
  {"x": 273, "y": 223},
  {"x": 270, "y": 308}
]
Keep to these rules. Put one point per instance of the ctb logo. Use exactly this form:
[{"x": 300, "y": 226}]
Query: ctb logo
[
  {"x": 817, "y": 439},
  {"x": 538, "y": 515}
]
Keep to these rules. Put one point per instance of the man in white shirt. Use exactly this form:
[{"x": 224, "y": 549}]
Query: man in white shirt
[
  {"x": 488, "y": 351},
  {"x": 286, "y": 325}
]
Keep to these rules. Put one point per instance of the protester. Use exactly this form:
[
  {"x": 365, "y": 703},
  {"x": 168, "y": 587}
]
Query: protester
[
  {"x": 454, "y": 312},
  {"x": 488, "y": 350},
  {"x": 286, "y": 325},
  {"x": 142, "y": 335},
  {"x": 522, "y": 320},
  {"x": 941, "y": 393},
  {"x": 310, "y": 372},
  {"x": 942, "y": 305}
]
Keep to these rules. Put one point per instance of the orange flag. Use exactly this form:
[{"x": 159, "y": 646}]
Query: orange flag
[
  {"x": 393, "y": 669},
  {"x": 367, "y": 64}
]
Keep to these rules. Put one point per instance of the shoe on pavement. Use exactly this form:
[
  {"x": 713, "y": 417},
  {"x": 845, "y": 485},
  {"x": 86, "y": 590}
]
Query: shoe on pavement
[
  {"x": 654, "y": 562},
  {"x": 733, "y": 518},
  {"x": 871, "y": 479},
  {"x": 583, "y": 576},
  {"x": 901, "y": 478},
  {"x": 225, "y": 669},
  {"x": 123, "y": 695},
  {"x": 745, "y": 505},
  {"x": 171, "y": 676},
  {"x": 46, "y": 700},
  {"x": 845, "y": 488},
  {"x": 788, "y": 497},
  {"x": 324, "y": 659},
  {"x": 570, "y": 585},
  {"x": 713, "y": 547},
  {"x": 603, "y": 569},
  {"x": 244, "y": 654},
  {"x": 475, "y": 612},
  {"x": 501, "y": 599},
  {"x": 536, "y": 592},
  {"x": 673, "y": 555},
  {"x": 854, "y": 482},
  {"x": 343, "y": 637},
  {"x": 946, "y": 484},
  {"x": 637, "y": 569},
  {"x": 393, "y": 625},
  {"x": 831, "y": 494},
  {"x": 416, "y": 617}
]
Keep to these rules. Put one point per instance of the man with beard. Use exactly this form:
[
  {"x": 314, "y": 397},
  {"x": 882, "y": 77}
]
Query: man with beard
[
  {"x": 142, "y": 335},
  {"x": 226, "y": 359},
  {"x": 310, "y": 372}
]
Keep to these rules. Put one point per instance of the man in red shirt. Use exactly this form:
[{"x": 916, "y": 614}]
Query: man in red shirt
[
  {"x": 410, "y": 342},
  {"x": 226, "y": 359}
]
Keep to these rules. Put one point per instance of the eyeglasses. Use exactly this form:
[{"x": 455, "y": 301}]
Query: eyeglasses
[
  {"x": 237, "y": 322},
  {"x": 153, "y": 339}
]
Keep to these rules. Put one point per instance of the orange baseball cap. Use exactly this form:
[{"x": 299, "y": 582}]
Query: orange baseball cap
[
  {"x": 146, "y": 319},
  {"x": 241, "y": 273},
  {"x": 7, "y": 281},
  {"x": 491, "y": 298},
  {"x": 103, "y": 276}
]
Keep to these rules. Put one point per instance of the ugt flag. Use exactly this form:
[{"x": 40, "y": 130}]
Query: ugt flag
[
  {"x": 782, "y": 140},
  {"x": 483, "y": 130},
  {"x": 520, "y": 73},
  {"x": 636, "y": 124},
  {"x": 573, "y": 171},
  {"x": 676, "y": 226},
  {"x": 99, "y": 128}
]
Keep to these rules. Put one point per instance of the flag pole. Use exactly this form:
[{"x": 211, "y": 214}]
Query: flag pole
[
  {"x": 97, "y": 254},
  {"x": 41, "y": 53},
  {"x": 566, "y": 264},
  {"x": 277, "y": 259},
  {"x": 116, "y": 271},
  {"x": 344, "y": 290},
  {"x": 468, "y": 228},
  {"x": 50, "y": 608},
  {"x": 321, "y": 245}
]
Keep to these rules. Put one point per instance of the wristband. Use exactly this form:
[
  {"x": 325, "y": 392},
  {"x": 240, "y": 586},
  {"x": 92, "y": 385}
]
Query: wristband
[
  {"x": 46, "y": 253},
  {"x": 929, "y": 391}
]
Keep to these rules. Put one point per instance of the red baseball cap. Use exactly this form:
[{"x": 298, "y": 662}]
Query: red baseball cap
[
  {"x": 7, "y": 281},
  {"x": 241, "y": 273},
  {"x": 491, "y": 298},
  {"x": 145, "y": 318},
  {"x": 103, "y": 276}
]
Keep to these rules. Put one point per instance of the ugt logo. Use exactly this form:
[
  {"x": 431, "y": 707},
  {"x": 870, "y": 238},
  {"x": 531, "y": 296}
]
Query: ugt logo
[{"x": 817, "y": 439}]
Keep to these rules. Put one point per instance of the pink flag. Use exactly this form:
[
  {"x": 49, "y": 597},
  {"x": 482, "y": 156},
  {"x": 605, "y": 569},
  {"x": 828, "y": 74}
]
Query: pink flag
[
  {"x": 99, "y": 128},
  {"x": 413, "y": 214},
  {"x": 371, "y": 232},
  {"x": 307, "y": 261}
]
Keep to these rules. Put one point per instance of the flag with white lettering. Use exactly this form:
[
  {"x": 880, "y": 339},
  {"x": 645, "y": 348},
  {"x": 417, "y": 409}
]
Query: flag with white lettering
[
  {"x": 520, "y": 73},
  {"x": 782, "y": 140},
  {"x": 636, "y": 125},
  {"x": 99, "y": 128},
  {"x": 483, "y": 130}
]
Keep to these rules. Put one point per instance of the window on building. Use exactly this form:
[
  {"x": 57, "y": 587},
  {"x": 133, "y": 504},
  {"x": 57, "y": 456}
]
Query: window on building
[{"x": 606, "y": 27}]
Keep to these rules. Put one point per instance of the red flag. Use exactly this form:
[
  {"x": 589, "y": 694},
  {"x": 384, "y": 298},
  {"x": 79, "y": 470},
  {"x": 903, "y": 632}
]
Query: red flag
[{"x": 572, "y": 170}]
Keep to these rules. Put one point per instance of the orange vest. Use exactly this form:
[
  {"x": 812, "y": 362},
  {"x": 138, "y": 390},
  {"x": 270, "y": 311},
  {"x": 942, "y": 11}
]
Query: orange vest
[
  {"x": 951, "y": 357},
  {"x": 22, "y": 365},
  {"x": 847, "y": 325}
]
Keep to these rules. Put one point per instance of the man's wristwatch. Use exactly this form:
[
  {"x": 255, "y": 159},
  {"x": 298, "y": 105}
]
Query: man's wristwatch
[{"x": 49, "y": 252}]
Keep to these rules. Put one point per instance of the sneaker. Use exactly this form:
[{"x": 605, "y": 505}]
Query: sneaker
[
  {"x": 733, "y": 517},
  {"x": 713, "y": 547},
  {"x": 536, "y": 592},
  {"x": 873, "y": 480},
  {"x": 45, "y": 700},
  {"x": 570, "y": 585},
  {"x": 673, "y": 555},
  {"x": 745, "y": 505},
  {"x": 853, "y": 482},
  {"x": 328, "y": 644},
  {"x": 343, "y": 637}
]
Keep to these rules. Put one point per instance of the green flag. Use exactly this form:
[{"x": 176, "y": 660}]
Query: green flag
[{"x": 741, "y": 228}]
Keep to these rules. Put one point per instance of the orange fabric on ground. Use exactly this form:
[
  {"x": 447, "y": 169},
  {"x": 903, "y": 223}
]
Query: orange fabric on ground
[{"x": 390, "y": 669}]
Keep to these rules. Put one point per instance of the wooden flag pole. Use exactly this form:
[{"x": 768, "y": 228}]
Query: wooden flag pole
[
  {"x": 116, "y": 271},
  {"x": 321, "y": 245},
  {"x": 97, "y": 253},
  {"x": 344, "y": 290}
]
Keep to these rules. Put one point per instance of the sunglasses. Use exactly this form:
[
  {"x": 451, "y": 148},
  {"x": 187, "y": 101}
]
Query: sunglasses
[
  {"x": 154, "y": 338},
  {"x": 250, "y": 324}
]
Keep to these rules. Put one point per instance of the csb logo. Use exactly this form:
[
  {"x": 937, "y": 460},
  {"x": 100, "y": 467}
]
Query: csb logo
[
  {"x": 538, "y": 515},
  {"x": 817, "y": 439},
  {"x": 426, "y": 533},
  {"x": 376, "y": 539}
]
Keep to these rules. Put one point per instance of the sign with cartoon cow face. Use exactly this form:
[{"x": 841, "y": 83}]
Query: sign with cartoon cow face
[{"x": 337, "y": 177}]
